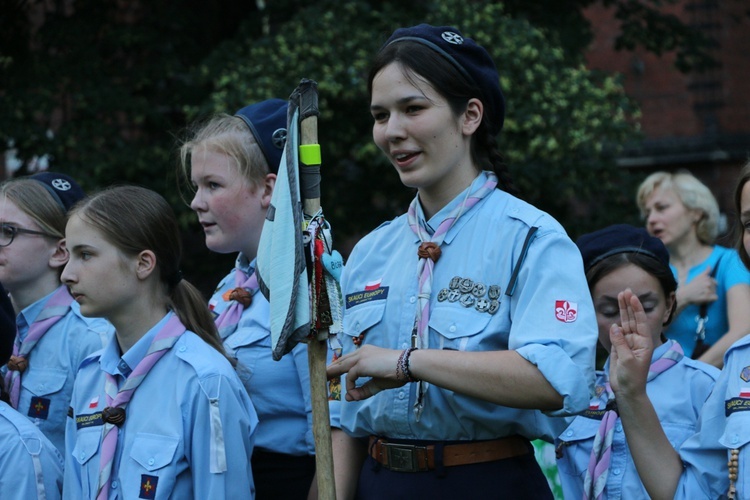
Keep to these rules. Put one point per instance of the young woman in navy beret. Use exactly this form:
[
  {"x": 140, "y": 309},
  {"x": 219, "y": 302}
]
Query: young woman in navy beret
[
  {"x": 52, "y": 337},
  {"x": 713, "y": 462},
  {"x": 232, "y": 162},
  {"x": 593, "y": 456},
  {"x": 468, "y": 320}
]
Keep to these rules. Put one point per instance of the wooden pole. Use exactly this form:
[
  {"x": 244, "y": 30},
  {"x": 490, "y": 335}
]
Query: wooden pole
[{"x": 317, "y": 348}]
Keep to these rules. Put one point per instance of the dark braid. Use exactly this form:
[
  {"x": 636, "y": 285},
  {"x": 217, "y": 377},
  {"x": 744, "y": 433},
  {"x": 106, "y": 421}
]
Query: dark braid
[{"x": 485, "y": 153}]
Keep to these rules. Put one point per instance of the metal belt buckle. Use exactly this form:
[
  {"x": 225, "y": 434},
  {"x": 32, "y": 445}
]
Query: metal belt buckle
[{"x": 405, "y": 457}]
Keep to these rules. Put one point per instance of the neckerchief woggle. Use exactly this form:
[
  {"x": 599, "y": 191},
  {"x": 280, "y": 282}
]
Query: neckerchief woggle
[
  {"x": 428, "y": 253},
  {"x": 240, "y": 297},
  {"x": 54, "y": 310},
  {"x": 598, "y": 469}
]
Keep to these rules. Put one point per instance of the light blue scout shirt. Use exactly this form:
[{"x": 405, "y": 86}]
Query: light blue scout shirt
[
  {"x": 731, "y": 272},
  {"x": 30, "y": 466},
  {"x": 724, "y": 425},
  {"x": 677, "y": 394},
  {"x": 168, "y": 447},
  {"x": 47, "y": 383},
  {"x": 549, "y": 319},
  {"x": 279, "y": 390}
]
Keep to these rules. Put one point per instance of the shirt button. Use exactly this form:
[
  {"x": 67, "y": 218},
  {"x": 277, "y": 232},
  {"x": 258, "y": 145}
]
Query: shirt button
[
  {"x": 735, "y": 439},
  {"x": 356, "y": 326},
  {"x": 616, "y": 472},
  {"x": 183, "y": 349},
  {"x": 618, "y": 428},
  {"x": 569, "y": 433},
  {"x": 401, "y": 395},
  {"x": 114, "y": 484},
  {"x": 40, "y": 387},
  {"x": 404, "y": 346},
  {"x": 412, "y": 299},
  {"x": 83, "y": 455},
  {"x": 452, "y": 328},
  {"x": 151, "y": 461}
]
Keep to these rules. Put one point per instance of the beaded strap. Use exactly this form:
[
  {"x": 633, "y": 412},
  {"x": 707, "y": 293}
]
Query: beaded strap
[{"x": 734, "y": 465}]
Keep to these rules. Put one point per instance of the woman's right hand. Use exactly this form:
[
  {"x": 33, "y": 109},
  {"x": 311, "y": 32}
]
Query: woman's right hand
[
  {"x": 701, "y": 290},
  {"x": 367, "y": 361},
  {"x": 632, "y": 348}
]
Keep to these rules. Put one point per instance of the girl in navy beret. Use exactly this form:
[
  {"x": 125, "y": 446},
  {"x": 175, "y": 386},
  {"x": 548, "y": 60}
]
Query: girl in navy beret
[
  {"x": 231, "y": 162},
  {"x": 51, "y": 336},
  {"x": 713, "y": 462},
  {"x": 593, "y": 456},
  {"x": 467, "y": 320},
  {"x": 159, "y": 412}
]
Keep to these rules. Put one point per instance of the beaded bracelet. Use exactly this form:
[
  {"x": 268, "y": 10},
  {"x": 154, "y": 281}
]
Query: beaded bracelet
[{"x": 404, "y": 362}]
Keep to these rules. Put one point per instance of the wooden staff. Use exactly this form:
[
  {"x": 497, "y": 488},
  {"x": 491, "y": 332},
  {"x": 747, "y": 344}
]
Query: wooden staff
[{"x": 317, "y": 348}]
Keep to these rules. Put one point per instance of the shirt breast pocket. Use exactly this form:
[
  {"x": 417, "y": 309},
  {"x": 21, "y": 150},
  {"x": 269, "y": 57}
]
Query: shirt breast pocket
[
  {"x": 359, "y": 319},
  {"x": 575, "y": 445},
  {"x": 86, "y": 448},
  {"x": 737, "y": 437},
  {"x": 48, "y": 401},
  {"x": 458, "y": 328},
  {"x": 150, "y": 467}
]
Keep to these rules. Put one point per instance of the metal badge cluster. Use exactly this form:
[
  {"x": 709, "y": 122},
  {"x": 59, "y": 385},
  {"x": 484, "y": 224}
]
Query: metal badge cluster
[{"x": 469, "y": 293}]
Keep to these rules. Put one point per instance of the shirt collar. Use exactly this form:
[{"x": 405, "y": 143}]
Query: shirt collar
[
  {"x": 29, "y": 314},
  {"x": 114, "y": 364},
  {"x": 432, "y": 224}
]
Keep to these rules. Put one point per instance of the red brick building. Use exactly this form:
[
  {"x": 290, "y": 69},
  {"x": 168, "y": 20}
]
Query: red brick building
[{"x": 697, "y": 121}]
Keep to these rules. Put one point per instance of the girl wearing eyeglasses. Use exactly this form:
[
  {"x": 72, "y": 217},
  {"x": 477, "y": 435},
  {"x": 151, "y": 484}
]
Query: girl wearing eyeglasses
[{"x": 52, "y": 336}]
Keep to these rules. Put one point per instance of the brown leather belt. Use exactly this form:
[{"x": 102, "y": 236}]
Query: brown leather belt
[{"x": 414, "y": 458}]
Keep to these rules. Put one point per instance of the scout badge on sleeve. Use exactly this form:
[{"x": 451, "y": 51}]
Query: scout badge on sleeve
[{"x": 298, "y": 270}]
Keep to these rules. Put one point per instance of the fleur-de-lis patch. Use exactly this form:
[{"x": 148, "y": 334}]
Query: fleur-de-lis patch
[{"x": 565, "y": 311}]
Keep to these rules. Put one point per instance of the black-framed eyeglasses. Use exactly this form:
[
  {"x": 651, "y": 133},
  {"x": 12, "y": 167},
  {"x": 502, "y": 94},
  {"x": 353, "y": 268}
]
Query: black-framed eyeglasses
[{"x": 8, "y": 232}]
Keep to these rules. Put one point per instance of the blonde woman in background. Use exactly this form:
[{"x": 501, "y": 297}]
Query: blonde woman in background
[{"x": 713, "y": 285}]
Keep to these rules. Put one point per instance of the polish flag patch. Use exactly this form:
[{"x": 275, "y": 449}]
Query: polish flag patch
[
  {"x": 94, "y": 402},
  {"x": 745, "y": 392},
  {"x": 594, "y": 404},
  {"x": 565, "y": 311},
  {"x": 373, "y": 285}
]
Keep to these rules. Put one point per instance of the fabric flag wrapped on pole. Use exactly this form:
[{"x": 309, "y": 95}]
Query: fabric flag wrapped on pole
[{"x": 298, "y": 270}]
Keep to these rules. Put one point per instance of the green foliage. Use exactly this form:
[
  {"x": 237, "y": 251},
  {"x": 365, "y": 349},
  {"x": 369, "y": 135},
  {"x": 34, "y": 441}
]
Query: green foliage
[
  {"x": 563, "y": 126},
  {"x": 105, "y": 88}
]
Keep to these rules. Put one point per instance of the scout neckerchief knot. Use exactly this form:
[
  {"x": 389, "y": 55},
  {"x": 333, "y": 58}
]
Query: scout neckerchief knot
[
  {"x": 54, "y": 310},
  {"x": 428, "y": 253},
  {"x": 117, "y": 400},
  {"x": 241, "y": 297},
  {"x": 596, "y": 474}
]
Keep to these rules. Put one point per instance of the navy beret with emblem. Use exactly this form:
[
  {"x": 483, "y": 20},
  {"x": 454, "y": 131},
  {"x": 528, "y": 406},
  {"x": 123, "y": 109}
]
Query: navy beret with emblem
[
  {"x": 469, "y": 58},
  {"x": 63, "y": 188},
  {"x": 620, "y": 238},
  {"x": 267, "y": 122}
]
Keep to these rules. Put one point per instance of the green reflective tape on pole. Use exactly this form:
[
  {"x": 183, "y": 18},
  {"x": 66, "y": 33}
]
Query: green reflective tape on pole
[{"x": 309, "y": 154}]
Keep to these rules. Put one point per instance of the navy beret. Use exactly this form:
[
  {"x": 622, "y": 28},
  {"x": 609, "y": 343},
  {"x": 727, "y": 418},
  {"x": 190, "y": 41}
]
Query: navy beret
[
  {"x": 63, "y": 188},
  {"x": 267, "y": 122},
  {"x": 469, "y": 58},
  {"x": 620, "y": 238}
]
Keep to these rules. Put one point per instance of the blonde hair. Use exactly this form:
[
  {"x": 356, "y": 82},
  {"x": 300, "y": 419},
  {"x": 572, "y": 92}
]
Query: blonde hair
[
  {"x": 227, "y": 135},
  {"x": 36, "y": 202},
  {"x": 693, "y": 194}
]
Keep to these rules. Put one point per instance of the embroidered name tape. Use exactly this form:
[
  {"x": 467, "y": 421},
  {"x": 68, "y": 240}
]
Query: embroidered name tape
[
  {"x": 90, "y": 420},
  {"x": 735, "y": 405},
  {"x": 357, "y": 298}
]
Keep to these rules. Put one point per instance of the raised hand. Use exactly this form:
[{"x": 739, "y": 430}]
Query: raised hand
[{"x": 632, "y": 347}]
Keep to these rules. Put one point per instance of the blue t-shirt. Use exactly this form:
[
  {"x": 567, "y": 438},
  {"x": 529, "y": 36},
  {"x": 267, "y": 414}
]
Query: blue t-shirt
[{"x": 730, "y": 272}]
